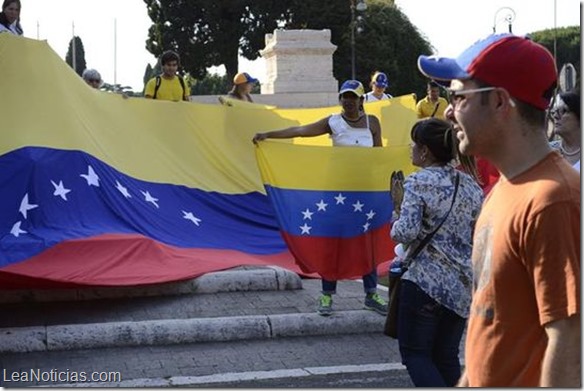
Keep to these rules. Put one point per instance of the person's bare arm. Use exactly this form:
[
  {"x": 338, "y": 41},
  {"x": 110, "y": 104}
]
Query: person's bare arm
[
  {"x": 314, "y": 129},
  {"x": 375, "y": 128},
  {"x": 561, "y": 363}
]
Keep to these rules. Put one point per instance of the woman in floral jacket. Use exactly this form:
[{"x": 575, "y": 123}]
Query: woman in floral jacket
[{"x": 436, "y": 289}]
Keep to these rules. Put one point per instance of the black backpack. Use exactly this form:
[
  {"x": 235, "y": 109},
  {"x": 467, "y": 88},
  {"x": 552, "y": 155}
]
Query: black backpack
[{"x": 159, "y": 81}]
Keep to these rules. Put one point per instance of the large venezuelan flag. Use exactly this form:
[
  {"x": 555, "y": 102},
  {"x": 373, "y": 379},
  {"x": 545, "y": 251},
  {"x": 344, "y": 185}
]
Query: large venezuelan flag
[
  {"x": 333, "y": 204},
  {"x": 103, "y": 191}
]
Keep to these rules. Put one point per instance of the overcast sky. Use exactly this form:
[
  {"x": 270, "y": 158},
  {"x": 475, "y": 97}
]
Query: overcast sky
[{"x": 449, "y": 25}]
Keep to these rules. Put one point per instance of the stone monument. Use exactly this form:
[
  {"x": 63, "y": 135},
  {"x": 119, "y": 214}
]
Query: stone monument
[{"x": 299, "y": 61}]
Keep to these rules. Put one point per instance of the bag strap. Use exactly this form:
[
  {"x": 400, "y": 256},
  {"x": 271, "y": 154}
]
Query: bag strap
[
  {"x": 435, "y": 109},
  {"x": 431, "y": 234},
  {"x": 157, "y": 86}
]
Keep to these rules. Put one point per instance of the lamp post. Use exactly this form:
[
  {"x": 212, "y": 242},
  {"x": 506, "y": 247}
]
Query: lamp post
[
  {"x": 360, "y": 6},
  {"x": 509, "y": 18}
]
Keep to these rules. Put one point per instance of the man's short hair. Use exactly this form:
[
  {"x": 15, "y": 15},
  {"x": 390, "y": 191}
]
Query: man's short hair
[
  {"x": 433, "y": 84},
  {"x": 91, "y": 74},
  {"x": 169, "y": 56}
]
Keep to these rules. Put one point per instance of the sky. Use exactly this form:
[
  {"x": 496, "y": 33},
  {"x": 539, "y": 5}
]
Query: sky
[{"x": 449, "y": 25}]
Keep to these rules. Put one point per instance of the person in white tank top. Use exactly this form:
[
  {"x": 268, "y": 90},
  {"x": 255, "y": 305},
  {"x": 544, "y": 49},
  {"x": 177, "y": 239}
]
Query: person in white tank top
[{"x": 351, "y": 128}]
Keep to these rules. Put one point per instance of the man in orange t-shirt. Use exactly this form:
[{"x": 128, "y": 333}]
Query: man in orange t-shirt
[{"x": 524, "y": 327}]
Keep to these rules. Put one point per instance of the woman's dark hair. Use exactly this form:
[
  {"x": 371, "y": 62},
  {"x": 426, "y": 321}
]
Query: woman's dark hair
[
  {"x": 4, "y": 20},
  {"x": 572, "y": 100},
  {"x": 437, "y": 135}
]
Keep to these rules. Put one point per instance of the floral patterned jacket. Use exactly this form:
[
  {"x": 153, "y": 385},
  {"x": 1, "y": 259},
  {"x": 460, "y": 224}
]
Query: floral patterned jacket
[{"x": 443, "y": 268}]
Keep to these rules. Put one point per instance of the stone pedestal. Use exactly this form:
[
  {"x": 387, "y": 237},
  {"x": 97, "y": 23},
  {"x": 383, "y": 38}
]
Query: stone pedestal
[{"x": 299, "y": 61}]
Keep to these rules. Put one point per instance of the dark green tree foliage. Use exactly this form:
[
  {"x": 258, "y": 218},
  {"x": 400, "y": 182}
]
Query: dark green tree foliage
[
  {"x": 567, "y": 45},
  {"x": 211, "y": 85},
  {"x": 211, "y": 32},
  {"x": 148, "y": 74},
  {"x": 80, "y": 64},
  {"x": 388, "y": 41},
  {"x": 391, "y": 43}
]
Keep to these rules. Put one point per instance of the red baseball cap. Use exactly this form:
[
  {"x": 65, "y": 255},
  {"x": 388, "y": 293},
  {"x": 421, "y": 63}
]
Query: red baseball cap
[{"x": 524, "y": 68}]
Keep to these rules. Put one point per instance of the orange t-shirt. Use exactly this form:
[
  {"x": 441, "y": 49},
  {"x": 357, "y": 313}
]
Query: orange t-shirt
[{"x": 526, "y": 260}]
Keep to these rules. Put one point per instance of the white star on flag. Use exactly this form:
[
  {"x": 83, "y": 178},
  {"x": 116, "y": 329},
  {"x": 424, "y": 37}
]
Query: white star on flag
[
  {"x": 149, "y": 198},
  {"x": 340, "y": 199},
  {"x": 305, "y": 229},
  {"x": 190, "y": 216},
  {"x": 123, "y": 190},
  {"x": 16, "y": 231},
  {"x": 25, "y": 206},
  {"x": 365, "y": 227},
  {"x": 91, "y": 177},
  {"x": 60, "y": 190},
  {"x": 358, "y": 206},
  {"x": 321, "y": 205},
  {"x": 370, "y": 214},
  {"x": 307, "y": 214}
]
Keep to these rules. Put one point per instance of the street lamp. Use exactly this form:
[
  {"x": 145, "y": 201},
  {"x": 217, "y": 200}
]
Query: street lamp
[
  {"x": 360, "y": 6},
  {"x": 509, "y": 18}
]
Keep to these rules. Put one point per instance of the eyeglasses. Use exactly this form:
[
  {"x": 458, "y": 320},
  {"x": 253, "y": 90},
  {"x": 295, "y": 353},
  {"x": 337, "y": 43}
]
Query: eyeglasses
[{"x": 455, "y": 96}]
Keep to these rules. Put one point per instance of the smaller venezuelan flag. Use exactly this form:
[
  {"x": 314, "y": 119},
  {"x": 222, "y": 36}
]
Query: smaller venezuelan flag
[{"x": 332, "y": 204}]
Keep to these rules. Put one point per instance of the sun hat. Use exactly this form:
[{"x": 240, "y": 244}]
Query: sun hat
[
  {"x": 243, "y": 77},
  {"x": 526, "y": 69},
  {"x": 353, "y": 86}
]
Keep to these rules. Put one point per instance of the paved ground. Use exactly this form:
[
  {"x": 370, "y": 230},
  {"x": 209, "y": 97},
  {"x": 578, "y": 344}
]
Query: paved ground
[{"x": 251, "y": 336}]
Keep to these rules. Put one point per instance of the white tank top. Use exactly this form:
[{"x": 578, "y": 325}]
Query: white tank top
[{"x": 344, "y": 135}]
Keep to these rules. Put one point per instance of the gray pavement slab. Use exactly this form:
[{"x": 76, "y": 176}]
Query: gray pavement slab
[
  {"x": 185, "y": 317},
  {"x": 207, "y": 363}
]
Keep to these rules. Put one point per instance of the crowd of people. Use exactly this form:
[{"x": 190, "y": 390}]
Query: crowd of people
[{"x": 499, "y": 201}]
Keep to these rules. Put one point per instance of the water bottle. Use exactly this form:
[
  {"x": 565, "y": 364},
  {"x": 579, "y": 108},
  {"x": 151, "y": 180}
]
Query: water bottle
[{"x": 396, "y": 266}]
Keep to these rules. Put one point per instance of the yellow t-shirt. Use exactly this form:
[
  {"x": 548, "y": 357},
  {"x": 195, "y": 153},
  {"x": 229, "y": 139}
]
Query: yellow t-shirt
[
  {"x": 168, "y": 90},
  {"x": 425, "y": 108}
]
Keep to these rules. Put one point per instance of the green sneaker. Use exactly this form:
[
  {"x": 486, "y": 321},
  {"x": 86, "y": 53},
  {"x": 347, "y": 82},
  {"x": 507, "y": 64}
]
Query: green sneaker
[
  {"x": 374, "y": 302},
  {"x": 325, "y": 305}
]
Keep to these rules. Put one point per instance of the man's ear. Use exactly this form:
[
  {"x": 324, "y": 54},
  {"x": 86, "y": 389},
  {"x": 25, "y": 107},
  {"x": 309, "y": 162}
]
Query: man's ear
[{"x": 504, "y": 99}]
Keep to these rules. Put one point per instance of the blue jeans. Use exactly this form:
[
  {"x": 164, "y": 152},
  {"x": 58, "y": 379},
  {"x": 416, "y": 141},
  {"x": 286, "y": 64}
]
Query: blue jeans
[
  {"x": 369, "y": 284},
  {"x": 429, "y": 337}
]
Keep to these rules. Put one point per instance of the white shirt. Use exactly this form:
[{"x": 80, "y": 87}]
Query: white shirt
[
  {"x": 345, "y": 135},
  {"x": 369, "y": 97},
  {"x": 9, "y": 29}
]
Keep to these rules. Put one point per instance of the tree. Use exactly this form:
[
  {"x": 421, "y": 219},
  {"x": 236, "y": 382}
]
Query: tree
[
  {"x": 392, "y": 44},
  {"x": 210, "y": 85},
  {"x": 80, "y": 64},
  {"x": 211, "y": 32},
  {"x": 214, "y": 32},
  {"x": 567, "y": 44},
  {"x": 388, "y": 41}
]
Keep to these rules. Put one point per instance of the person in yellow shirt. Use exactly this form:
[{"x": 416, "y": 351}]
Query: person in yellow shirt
[
  {"x": 433, "y": 105},
  {"x": 168, "y": 85}
]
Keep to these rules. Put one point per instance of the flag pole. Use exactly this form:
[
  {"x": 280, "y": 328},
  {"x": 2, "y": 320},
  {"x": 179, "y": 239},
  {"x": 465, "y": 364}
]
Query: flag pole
[
  {"x": 115, "y": 51},
  {"x": 73, "y": 49}
]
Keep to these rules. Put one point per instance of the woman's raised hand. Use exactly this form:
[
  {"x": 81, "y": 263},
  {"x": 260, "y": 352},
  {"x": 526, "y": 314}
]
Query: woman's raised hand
[{"x": 396, "y": 189}]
